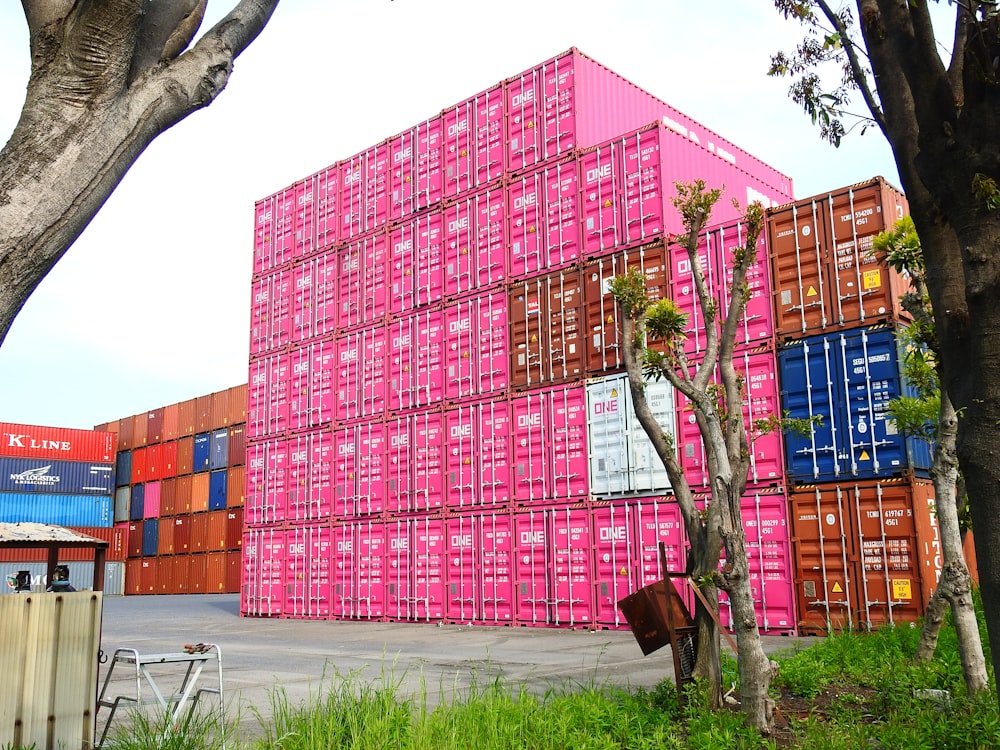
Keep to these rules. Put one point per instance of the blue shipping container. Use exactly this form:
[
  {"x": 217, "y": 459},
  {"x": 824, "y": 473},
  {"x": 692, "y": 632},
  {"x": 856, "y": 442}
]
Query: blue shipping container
[
  {"x": 220, "y": 449},
  {"x": 150, "y": 538},
  {"x": 123, "y": 468},
  {"x": 202, "y": 452},
  {"x": 58, "y": 510},
  {"x": 217, "y": 490},
  {"x": 51, "y": 477},
  {"x": 137, "y": 505},
  {"x": 847, "y": 379}
]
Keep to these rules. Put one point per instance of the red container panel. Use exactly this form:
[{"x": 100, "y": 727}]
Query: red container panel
[
  {"x": 543, "y": 218},
  {"x": 480, "y": 560},
  {"x": 478, "y": 455},
  {"x": 270, "y": 312},
  {"x": 364, "y": 191},
  {"x": 359, "y": 570},
  {"x": 310, "y": 476},
  {"x": 477, "y": 346},
  {"x": 62, "y": 443},
  {"x": 263, "y": 586},
  {"x": 475, "y": 241},
  {"x": 268, "y": 396},
  {"x": 139, "y": 465},
  {"x": 312, "y": 384},
  {"x": 416, "y": 177},
  {"x": 547, "y": 329},
  {"x": 415, "y": 460},
  {"x": 308, "y": 571},
  {"x": 267, "y": 482},
  {"x": 416, "y": 569},
  {"x": 359, "y": 470},
  {"x": 554, "y": 567},
  {"x": 363, "y": 281},
  {"x": 314, "y": 301},
  {"x": 416, "y": 258},
  {"x": 416, "y": 369},
  {"x": 361, "y": 373},
  {"x": 474, "y": 145}
]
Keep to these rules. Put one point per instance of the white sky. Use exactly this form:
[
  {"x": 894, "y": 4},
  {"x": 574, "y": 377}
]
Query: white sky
[{"x": 151, "y": 306}]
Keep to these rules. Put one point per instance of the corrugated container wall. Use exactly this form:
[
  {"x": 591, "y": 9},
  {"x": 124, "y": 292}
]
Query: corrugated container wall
[{"x": 62, "y": 443}]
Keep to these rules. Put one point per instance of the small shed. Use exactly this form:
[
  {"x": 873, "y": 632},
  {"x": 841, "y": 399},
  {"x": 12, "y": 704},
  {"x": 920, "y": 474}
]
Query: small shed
[{"x": 54, "y": 538}]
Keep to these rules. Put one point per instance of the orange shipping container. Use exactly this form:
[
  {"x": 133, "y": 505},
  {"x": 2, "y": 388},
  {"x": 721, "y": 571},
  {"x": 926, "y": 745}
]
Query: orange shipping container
[
  {"x": 125, "y": 435},
  {"x": 216, "y": 572},
  {"x": 164, "y": 575},
  {"x": 238, "y": 404},
  {"x": 199, "y": 492},
  {"x": 547, "y": 332},
  {"x": 168, "y": 497},
  {"x": 197, "y": 574},
  {"x": 185, "y": 455},
  {"x": 216, "y": 536},
  {"x": 139, "y": 430},
  {"x": 219, "y": 409},
  {"x": 171, "y": 422},
  {"x": 187, "y": 417},
  {"x": 182, "y": 495},
  {"x": 824, "y": 271},
  {"x": 199, "y": 532},
  {"x": 866, "y": 554},
  {"x": 203, "y": 413},
  {"x": 147, "y": 575},
  {"x": 165, "y": 541},
  {"x": 181, "y": 572},
  {"x": 235, "y": 486},
  {"x": 133, "y": 576}
]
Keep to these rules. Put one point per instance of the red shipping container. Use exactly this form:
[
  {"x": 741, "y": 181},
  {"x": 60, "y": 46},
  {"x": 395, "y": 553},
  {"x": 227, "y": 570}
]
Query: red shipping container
[
  {"x": 474, "y": 143},
  {"x": 274, "y": 238},
  {"x": 415, "y": 462},
  {"x": 182, "y": 534},
  {"x": 135, "y": 539},
  {"x": 168, "y": 459},
  {"x": 236, "y": 446},
  {"x": 185, "y": 455},
  {"x": 310, "y": 476},
  {"x": 139, "y": 430},
  {"x": 363, "y": 281},
  {"x": 547, "y": 329},
  {"x": 308, "y": 571},
  {"x": 154, "y": 426},
  {"x": 234, "y": 528},
  {"x": 199, "y": 532},
  {"x": 478, "y": 455},
  {"x": 416, "y": 177},
  {"x": 148, "y": 574},
  {"x": 124, "y": 434},
  {"x": 168, "y": 497},
  {"x": 415, "y": 374},
  {"x": 475, "y": 241},
  {"x": 268, "y": 393},
  {"x": 601, "y": 315},
  {"x": 234, "y": 570},
  {"x": 416, "y": 259},
  {"x": 312, "y": 382},
  {"x": 171, "y": 422},
  {"x": 364, "y": 191},
  {"x": 359, "y": 562},
  {"x": 480, "y": 551},
  {"x": 267, "y": 482},
  {"x": 554, "y": 575},
  {"x": 154, "y": 461},
  {"x": 139, "y": 465},
  {"x": 759, "y": 370},
  {"x": 62, "y": 443},
  {"x": 314, "y": 296},
  {"x": 236, "y": 480},
  {"x": 117, "y": 550},
  {"x": 270, "y": 314},
  {"x": 543, "y": 219},
  {"x": 416, "y": 569},
  {"x": 550, "y": 444},
  {"x": 477, "y": 345},
  {"x": 359, "y": 472}
]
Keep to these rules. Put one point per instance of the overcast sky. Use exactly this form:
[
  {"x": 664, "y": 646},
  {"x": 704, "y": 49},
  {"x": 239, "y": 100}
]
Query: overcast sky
[{"x": 151, "y": 306}]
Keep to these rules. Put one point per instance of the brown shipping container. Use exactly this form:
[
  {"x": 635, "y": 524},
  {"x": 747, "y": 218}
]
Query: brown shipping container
[
  {"x": 181, "y": 570},
  {"x": 165, "y": 542},
  {"x": 197, "y": 573},
  {"x": 234, "y": 572},
  {"x": 147, "y": 575},
  {"x": 164, "y": 575},
  {"x": 134, "y": 539},
  {"x": 237, "y": 446},
  {"x": 125, "y": 434},
  {"x": 824, "y": 271},
  {"x": 199, "y": 492},
  {"x": 546, "y": 329},
  {"x": 199, "y": 532},
  {"x": 182, "y": 495},
  {"x": 171, "y": 422},
  {"x": 234, "y": 528},
  {"x": 866, "y": 554},
  {"x": 139, "y": 430},
  {"x": 182, "y": 535},
  {"x": 154, "y": 426},
  {"x": 600, "y": 311},
  {"x": 187, "y": 417},
  {"x": 238, "y": 404},
  {"x": 219, "y": 409},
  {"x": 215, "y": 572},
  {"x": 185, "y": 455},
  {"x": 168, "y": 497},
  {"x": 236, "y": 486},
  {"x": 203, "y": 413},
  {"x": 133, "y": 576}
]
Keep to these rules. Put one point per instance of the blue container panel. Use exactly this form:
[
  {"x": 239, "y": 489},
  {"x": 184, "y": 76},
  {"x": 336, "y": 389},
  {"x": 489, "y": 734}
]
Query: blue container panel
[
  {"x": 217, "y": 490},
  {"x": 59, "y": 510},
  {"x": 123, "y": 468},
  {"x": 150, "y": 538},
  {"x": 137, "y": 503},
  {"x": 220, "y": 449},
  {"x": 56, "y": 477},
  {"x": 202, "y": 452}
]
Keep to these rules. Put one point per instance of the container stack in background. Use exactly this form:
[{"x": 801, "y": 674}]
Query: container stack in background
[
  {"x": 438, "y": 428},
  {"x": 62, "y": 477},
  {"x": 180, "y": 479}
]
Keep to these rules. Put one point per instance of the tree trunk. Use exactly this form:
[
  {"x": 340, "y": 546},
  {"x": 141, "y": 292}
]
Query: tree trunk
[
  {"x": 708, "y": 667},
  {"x": 937, "y": 607}
]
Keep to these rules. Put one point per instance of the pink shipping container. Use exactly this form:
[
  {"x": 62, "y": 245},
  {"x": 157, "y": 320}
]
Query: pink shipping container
[
  {"x": 359, "y": 470},
  {"x": 416, "y": 569},
  {"x": 715, "y": 253},
  {"x": 416, "y": 257},
  {"x": 543, "y": 219},
  {"x": 271, "y": 312},
  {"x": 310, "y": 476},
  {"x": 151, "y": 500},
  {"x": 304, "y": 217},
  {"x": 550, "y": 444},
  {"x": 267, "y": 483},
  {"x": 759, "y": 368},
  {"x": 62, "y": 443},
  {"x": 554, "y": 566},
  {"x": 268, "y": 396},
  {"x": 274, "y": 236},
  {"x": 262, "y": 590},
  {"x": 480, "y": 560},
  {"x": 359, "y": 560},
  {"x": 477, "y": 346},
  {"x": 415, "y": 374},
  {"x": 416, "y": 177},
  {"x": 310, "y": 400},
  {"x": 474, "y": 145},
  {"x": 308, "y": 572},
  {"x": 361, "y": 373},
  {"x": 478, "y": 455},
  {"x": 415, "y": 462},
  {"x": 475, "y": 241},
  {"x": 364, "y": 191},
  {"x": 326, "y": 191},
  {"x": 314, "y": 302},
  {"x": 363, "y": 280}
]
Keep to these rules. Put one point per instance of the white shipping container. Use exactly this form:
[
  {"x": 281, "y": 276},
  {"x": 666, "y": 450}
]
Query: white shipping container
[{"x": 81, "y": 576}]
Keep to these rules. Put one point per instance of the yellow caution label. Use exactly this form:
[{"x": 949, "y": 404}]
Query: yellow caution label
[
  {"x": 811, "y": 292},
  {"x": 623, "y": 572},
  {"x": 614, "y": 393},
  {"x": 837, "y": 589},
  {"x": 901, "y": 589},
  {"x": 534, "y": 338},
  {"x": 607, "y": 204},
  {"x": 872, "y": 279},
  {"x": 864, "y": 456}
]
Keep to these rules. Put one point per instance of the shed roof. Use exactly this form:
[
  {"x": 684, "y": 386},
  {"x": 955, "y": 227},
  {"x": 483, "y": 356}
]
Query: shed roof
[{"x": 44, "y": 535}]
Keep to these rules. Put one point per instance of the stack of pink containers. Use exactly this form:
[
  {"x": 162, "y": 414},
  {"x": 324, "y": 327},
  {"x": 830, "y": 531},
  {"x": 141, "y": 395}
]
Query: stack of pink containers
[{"x": 438, "y": 425}]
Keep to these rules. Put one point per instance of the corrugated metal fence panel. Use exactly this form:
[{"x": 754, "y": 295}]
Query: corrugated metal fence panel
[{"x": 49, "y": 661}]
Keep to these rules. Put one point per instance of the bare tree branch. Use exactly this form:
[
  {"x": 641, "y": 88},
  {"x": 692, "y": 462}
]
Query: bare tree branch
[{"x": 160, "y": 24}]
